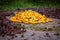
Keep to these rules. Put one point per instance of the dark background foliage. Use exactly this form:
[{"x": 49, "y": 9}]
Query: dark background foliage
[{"x": 14, "y": 4}]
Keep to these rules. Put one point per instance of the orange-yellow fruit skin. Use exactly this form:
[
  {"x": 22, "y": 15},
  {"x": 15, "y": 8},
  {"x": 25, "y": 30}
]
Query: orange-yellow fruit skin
[{"x": 29, "y": 16}]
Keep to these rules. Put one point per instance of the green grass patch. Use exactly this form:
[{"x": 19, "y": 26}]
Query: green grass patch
[
  {"x": 57, "y": 29},
  {"x": 27, "y": 4},
  {"x": 42, "y": 29},
  {"x": 36, "y": 28}
]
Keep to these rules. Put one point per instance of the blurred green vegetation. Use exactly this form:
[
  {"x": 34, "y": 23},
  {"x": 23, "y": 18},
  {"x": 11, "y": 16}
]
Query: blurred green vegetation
[
  {"x": 14, "y": 4},
  {"x": 42, "y": 29}
]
